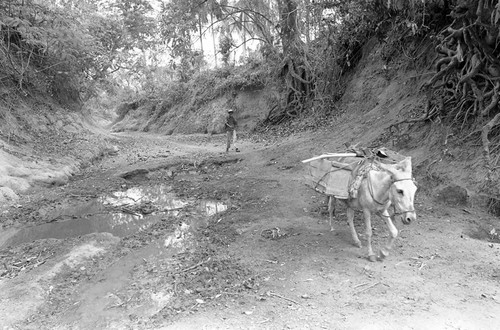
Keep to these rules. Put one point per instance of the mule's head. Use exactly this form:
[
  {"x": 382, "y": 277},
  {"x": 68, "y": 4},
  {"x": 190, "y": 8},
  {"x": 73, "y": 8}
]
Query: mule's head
[{"x": 402, "y": 190}]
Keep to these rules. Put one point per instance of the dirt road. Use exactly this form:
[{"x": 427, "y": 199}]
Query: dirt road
[{"x": 171, "y": 233}]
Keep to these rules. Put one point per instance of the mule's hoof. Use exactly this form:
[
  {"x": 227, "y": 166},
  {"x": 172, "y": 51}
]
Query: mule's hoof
[
  {"x": 383, "y": 254},
  {"x": 372, "y": 258}
]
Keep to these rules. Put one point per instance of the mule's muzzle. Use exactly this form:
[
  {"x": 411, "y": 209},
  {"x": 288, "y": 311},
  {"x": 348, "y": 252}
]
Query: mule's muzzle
[{"x": 408, "y": 217}]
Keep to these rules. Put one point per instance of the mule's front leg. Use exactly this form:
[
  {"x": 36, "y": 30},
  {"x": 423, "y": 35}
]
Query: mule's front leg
[
  {"x": 331, "y": 210},
  {"x": 393, "y": 234},
  {"x": 350, "y": 220},
  {"x": 368, "y": 224}
]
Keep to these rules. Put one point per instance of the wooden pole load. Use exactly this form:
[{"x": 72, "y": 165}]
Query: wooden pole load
[{"x": 329, "y": 156}]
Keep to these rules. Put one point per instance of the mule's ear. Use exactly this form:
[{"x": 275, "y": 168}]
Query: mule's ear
[{"x": 404, "y": 165}]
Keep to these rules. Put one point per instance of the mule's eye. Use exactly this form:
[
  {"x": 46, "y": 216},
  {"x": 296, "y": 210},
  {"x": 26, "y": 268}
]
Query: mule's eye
[{"x": 401, "y": 192}]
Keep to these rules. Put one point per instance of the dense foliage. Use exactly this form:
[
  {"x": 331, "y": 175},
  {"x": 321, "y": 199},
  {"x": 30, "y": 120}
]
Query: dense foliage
[
  {"x": 74, "y": 44},
  {"x": 140, "y": 45}
]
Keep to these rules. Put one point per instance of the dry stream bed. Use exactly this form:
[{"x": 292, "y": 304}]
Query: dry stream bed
[{"x": 199, "y": 238}]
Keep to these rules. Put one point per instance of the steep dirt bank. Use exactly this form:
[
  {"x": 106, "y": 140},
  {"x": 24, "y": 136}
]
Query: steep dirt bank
[
  {"x": 251, "y": 107},
  {"x": 43, "y": 143},
  {"x": 379, "y": 96}
]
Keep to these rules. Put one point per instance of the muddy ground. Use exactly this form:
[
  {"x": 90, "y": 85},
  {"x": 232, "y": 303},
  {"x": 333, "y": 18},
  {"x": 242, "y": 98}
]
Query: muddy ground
[{"x": 172, "y": 233}]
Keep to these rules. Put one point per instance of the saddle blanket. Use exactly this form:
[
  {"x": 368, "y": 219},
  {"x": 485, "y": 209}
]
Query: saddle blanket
[{"x": 341, "y": 176}]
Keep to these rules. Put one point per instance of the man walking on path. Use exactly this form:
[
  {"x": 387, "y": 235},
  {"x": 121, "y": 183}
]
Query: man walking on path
[{"x": 230, "y": 127}]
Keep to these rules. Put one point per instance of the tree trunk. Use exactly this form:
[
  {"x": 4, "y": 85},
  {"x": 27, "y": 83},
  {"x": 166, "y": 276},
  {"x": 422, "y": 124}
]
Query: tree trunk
[
  {"x": 295, "y": 70},
  {"x": 308, "y": 21},
  {"x": 201, "y": 33},
  {"x": 288, "y": 24},
  {"x": 244, "y": 37},
  {"x": 213, "y": 38}
]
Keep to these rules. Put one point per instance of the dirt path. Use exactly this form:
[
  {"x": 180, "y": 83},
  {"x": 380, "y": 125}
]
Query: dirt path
[{"x": 236, "y": 241}]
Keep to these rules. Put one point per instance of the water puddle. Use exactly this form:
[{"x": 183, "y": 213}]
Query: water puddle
[
  {"x": 121, "y": 213},
  {"x": 161, "y": 196}
]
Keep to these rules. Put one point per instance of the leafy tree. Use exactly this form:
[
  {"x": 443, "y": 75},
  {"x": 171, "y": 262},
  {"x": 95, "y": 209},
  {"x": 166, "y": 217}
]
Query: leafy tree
[
  {"x": 75, "y": 43},
  {"x": 225, "y": 45},
  {"x": 178, "y": 20}
]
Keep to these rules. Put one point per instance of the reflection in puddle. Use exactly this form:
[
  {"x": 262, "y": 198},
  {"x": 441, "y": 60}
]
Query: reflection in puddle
[
  {"x": 161, "y": 196},
  {"x": 119, "y": 224},
  {"x": 95, "y": 216}
]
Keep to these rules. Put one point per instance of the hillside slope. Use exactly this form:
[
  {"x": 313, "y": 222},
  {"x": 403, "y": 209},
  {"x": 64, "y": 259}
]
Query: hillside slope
[
  {"x": 380, "y": 95},
  {"x": 42, "y": 142},
  {"x": 250, "y": 105}
]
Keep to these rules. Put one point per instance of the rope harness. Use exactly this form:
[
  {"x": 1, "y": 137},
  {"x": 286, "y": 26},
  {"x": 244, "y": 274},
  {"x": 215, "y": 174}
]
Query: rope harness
[
  {"x": 362, "y": 173},
  {"x": 359, "y": 174}
]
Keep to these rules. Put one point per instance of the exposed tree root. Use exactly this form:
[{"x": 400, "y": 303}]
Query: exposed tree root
[
  {"x": 486, "y": 144},
  {"x": 494, "y": 100},
  {"x": 430, "y": 111},
  {"x": 468, "y": 72},
  {"x": 452, "y": 64}
]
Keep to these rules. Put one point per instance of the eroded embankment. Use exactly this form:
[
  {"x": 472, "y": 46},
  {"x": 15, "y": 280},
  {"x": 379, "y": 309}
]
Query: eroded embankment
[
  {"x": 51, "y": 159},
  {"x": 251, "y": 107}
]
